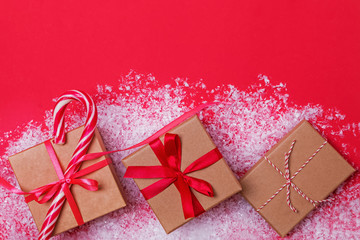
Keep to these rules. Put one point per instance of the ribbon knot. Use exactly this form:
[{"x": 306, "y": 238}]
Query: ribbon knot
[
  {"x": 169, "y": 155},
  {"x": 289, "y": 180},
  {"x": 179, "y": 174},
  {"x": 65, "y": 180}
]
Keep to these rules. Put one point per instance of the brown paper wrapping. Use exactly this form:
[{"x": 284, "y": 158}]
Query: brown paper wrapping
[
  {"x": 326, "y": 171},
  {"x": 33, "y": 168},
  {"x": 195, "y": 142}
]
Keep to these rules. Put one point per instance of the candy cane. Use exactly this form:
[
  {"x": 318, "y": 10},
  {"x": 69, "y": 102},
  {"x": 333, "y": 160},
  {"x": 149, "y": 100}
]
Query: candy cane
[{"x": 81, "y": 149}]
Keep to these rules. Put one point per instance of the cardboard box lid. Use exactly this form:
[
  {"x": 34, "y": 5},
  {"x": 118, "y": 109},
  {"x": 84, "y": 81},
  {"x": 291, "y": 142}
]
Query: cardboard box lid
[
  {"x": 195, "y": 143},
  {"x": 33, "y": 168},
  {"x": 326, "y": 171}
]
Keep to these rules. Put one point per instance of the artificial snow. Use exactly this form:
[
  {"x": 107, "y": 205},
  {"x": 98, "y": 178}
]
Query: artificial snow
[{"x": 257, "y": 118}]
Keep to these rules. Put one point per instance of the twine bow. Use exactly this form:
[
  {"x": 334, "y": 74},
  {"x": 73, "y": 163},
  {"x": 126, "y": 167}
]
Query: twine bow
[{"x": 289, "y": 179}]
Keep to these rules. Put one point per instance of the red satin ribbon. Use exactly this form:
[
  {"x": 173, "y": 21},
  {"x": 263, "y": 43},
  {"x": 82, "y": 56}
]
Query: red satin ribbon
[
  {"x": 46, "y": 192},
  {"x": 193, "y": 207},
  {"x": 169, "y": 155}
]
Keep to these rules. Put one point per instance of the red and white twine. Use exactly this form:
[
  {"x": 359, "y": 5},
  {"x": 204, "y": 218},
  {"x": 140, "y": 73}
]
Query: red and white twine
[
  {"x": 289, "y": 179},
  {"x": 81, "y": 149}
]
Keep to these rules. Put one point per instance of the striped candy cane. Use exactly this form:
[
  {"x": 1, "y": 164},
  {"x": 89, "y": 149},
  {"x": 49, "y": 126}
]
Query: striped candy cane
[{"x": 81, "y": 149}]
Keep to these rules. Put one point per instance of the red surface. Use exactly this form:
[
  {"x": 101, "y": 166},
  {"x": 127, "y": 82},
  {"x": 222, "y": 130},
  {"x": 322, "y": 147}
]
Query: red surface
[{"x": 47, "y": 47}]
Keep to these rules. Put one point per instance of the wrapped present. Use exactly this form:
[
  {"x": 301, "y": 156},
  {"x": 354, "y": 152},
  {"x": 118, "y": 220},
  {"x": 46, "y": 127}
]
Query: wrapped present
[
  {"x": 296, "y": 175},
  {"x": 63, "y": 188},
  {"x": 181, "y": 174},
  {"x": 92, "y": 204}
]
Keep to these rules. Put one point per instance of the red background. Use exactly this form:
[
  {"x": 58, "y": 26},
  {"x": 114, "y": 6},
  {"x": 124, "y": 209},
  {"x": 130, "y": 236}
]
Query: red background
[{"x": 47, "y": 47}]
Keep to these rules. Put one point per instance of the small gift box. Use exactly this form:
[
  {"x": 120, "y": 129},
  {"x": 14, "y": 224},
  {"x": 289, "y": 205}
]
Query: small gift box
[
  {"x": 68, "y": 180},
  {"x": 33, "y": 168},
  {"x": 293, "y": 177},
  {"x": 181, "y": 174}
]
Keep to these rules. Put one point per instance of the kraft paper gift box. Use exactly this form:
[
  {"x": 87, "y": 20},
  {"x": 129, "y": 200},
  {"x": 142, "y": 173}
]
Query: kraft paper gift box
[
  {"x": 33, "y": 168},
  {"x": 195, "y": 142},
  {"x": 320, "y": 176}
]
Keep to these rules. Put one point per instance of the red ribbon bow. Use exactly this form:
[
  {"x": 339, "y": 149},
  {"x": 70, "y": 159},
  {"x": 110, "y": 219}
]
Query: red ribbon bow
[{"x": 169, "y": 155}]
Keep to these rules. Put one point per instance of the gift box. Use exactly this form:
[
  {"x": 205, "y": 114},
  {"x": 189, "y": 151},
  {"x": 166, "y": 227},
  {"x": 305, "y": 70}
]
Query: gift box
[
  {"x": 169, "y": 203},
  {"x": 296, "y": 175},
  {"x": 33, "y": 168}
]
